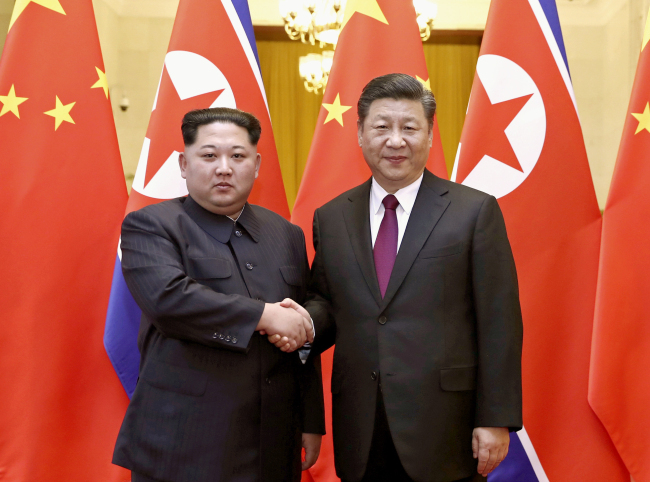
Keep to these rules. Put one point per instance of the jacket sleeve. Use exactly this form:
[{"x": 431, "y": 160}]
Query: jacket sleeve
[
  {"x": 177, "y": 305},
  {"x": 311, "y": 380},
  {"x": 499, "y": 322},
  {"x": 318, "y": 302}
]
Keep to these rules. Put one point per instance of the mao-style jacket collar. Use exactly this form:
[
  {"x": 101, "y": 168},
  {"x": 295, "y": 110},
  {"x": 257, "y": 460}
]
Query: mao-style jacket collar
[{"x": 219, "y": 226}]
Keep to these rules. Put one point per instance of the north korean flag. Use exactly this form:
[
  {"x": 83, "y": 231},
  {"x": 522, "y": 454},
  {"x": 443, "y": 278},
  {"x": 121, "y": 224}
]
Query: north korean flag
[
  {"x": 211, "y": 62},
  {"x": 522, "y": 142}
]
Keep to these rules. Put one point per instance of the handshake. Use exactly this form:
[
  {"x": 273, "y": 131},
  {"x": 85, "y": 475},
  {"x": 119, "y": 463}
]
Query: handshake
[{"x": 287, "y": 324}]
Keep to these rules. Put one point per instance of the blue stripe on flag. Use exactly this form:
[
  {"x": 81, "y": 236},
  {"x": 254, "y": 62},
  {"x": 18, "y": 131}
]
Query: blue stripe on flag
[
  {"x": 121, "y": 331},
  {"x": 516, "y": 466},
  {"x": 241, "y": 7},
  {"x": 550, "y": 10}
]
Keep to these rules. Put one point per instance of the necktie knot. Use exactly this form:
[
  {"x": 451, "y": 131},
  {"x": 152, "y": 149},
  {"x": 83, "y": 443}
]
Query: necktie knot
[{"x": 390, "y": 202}]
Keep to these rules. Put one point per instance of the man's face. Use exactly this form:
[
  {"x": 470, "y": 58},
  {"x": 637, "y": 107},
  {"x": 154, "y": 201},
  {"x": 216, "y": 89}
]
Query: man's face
[
  {"x": 395, "y": 139},
  {"x": 220, "y": 168}
]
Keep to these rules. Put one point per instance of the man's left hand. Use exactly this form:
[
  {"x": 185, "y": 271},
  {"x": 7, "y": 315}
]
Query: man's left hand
[
  {"x": 490, "y": 446},
  {"x": 311, "y": 444}
]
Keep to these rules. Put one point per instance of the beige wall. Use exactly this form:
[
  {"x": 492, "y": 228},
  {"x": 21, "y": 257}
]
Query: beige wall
[{"x": 602, "y": 39}]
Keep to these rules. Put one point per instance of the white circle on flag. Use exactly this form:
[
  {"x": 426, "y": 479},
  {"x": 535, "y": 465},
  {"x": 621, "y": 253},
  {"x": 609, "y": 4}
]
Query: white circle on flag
[
  {"x": 192, "y": 75},
  {"x": 505, "y": 80}
]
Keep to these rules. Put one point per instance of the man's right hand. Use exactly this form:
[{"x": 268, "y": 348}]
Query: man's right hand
[{"x": 285, "y": 322}]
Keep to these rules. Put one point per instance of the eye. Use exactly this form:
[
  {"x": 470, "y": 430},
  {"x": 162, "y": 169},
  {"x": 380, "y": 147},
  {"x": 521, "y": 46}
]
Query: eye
[
  {"x": 208, "y": 155},
  {"x": 237, "y": 156}
]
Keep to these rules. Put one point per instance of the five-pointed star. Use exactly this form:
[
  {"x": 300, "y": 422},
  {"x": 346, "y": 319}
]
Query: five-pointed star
[
  {"x": 336, "y": 110},
  {"x": 61, "y": 113},
  {"x": 163, "y": 130},
  {"x": 102, "y": 82},
  {"x": 10, "y": 102},
  {"x": 22, "y": 4},
  {"x": 366, "y": 7},
  {"x": 644, "y": 119},
  {"x": 425, "y": 83},
  {"x": 490, "y": 139}
]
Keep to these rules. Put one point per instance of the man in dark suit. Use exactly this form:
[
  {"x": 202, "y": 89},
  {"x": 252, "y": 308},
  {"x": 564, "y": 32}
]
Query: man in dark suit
[
  {"x": 215, "y": 401},
  {"x": 414, "y": 282}
]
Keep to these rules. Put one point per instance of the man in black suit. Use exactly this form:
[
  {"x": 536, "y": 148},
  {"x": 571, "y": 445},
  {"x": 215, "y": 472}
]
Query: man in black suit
[
  {"x": 215, "y": 401},
  {"x": 414, "y": 282}
]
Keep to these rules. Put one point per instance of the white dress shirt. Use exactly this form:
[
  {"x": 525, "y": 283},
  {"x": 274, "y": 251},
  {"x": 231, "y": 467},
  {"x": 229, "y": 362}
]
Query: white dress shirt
[{"x": 406, "y": 198}]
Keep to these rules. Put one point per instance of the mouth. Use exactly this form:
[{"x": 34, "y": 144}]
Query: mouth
[
  {"x": 395, "y": 159},
  {"x": 223, "y": 186}
]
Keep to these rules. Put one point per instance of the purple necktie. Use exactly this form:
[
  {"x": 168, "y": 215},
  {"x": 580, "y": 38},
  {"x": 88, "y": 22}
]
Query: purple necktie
[{"x": 385, "y": 250}]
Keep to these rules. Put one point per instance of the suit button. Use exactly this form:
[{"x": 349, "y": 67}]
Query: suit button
[
  {"x": 268, "y": 381},
  {"x": 238, "y": 233},
  {"x": 373, "y": 376},
  {"x": 215, "y": 335},
  {"x": 249, "y": 266},
  {"x": 382, "y": 320},
  {"x": 234, "y": 339},
  {"x": 220, "y": 336},
  {"x": 228, "y": 338}
]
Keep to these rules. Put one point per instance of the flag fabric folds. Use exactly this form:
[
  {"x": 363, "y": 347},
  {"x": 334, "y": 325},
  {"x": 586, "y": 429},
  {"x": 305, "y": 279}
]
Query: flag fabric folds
[
  {"x": 522, "y": 142},
  {"x": 335, "y": 162},
  {"x": 63, "y": 197},
  {"x": 619, "y": 386},
  {"x": 201, "y": 70}
]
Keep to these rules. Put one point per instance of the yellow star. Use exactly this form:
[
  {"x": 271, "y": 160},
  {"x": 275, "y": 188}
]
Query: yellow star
[
  {"x": 61, "y": 113},
  {"x": 425, "y": 83},
  {"x": 10, "y": 102},
  {"x": 336, "y": 110},
  {"x": 22, "y": 4},
  {"x": 102, "y": 82},
  {"x": 366, "y": 7},
  {"x": 644, "y": 119}
]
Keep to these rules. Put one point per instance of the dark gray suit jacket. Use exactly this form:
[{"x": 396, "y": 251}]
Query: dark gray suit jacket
[
  {"x": 215, "y": 401},
  {"x": 445, "y": 341}
]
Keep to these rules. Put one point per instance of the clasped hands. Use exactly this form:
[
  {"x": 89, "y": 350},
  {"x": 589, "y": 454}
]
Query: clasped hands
[{"x": 287, "y": 325}]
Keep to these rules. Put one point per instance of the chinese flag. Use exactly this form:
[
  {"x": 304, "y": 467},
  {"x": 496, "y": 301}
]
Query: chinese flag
[
  {"x": 378, "y": 37},
  {"x": 63, "y": 196},
  {"x": 619, "y": 385},
  {"x": 522, "y": 142}
]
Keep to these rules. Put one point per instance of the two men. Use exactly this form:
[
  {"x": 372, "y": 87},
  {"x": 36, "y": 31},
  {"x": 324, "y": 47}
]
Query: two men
[
  {"x": 414, "y": 282},
  {"x": 215, "y": 400}
]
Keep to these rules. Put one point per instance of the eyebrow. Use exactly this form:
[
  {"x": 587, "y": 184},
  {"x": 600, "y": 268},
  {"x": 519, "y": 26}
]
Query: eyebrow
[{"x": 213, "y": 146}]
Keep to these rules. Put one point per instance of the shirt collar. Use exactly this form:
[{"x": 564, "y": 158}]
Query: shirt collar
[{"x": 405, "y": 196}]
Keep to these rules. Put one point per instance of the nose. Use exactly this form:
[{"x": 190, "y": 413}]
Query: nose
[
  {"x": 222, "y": 167},
  {"x": 395, "y": 139}
]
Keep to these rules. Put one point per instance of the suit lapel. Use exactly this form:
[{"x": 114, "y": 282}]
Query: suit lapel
[
  {"x": 427, "y": 210},
  {"x": 357, "y": 222}
]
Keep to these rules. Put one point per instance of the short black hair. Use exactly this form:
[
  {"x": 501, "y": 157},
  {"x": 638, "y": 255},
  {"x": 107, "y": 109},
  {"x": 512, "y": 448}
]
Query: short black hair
[
  {"x": 396, "y": 86},
  {"x": 200, "y": 117}
]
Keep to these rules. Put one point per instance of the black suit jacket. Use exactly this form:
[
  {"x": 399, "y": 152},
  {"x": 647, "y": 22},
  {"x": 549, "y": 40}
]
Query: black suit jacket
[
  {"x": 215, "y": 401},
  {"x": 445, "y": 341}
]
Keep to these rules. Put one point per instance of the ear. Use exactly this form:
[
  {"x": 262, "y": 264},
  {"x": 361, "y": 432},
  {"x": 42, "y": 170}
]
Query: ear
[
  {"x": 430, "y": 137},
  {"x": 258, "y": 162},
  {"x": 359, "y": 131},
  {"x": 182, "y": 162}
]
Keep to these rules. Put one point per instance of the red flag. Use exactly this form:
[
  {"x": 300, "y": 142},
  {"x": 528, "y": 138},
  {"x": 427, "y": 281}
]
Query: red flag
[
  {"x": 203, "y": 70},
  {"x": 335, "y": 161},
  {"x": 619, "y": 386},
  {"x": 63, "y": 198},
  {"x": 522, "y": 142}
]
